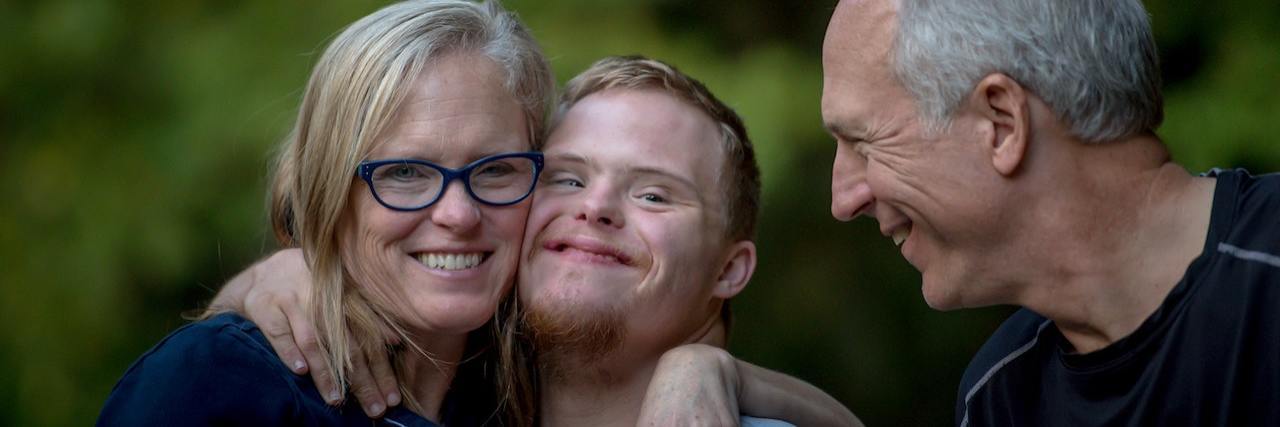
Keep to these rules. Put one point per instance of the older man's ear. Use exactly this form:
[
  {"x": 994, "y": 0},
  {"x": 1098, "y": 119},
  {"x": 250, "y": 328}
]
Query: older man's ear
[{"x": 1001, "y": 101}]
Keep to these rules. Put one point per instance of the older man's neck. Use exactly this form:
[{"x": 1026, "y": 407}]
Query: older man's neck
[{"x": 1123, "y": 228}]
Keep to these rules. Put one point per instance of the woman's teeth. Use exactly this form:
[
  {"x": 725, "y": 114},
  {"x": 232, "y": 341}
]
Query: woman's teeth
[{"x": 445, "y": 261}]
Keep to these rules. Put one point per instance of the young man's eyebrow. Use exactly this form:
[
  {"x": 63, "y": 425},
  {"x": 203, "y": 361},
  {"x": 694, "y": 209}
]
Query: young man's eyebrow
[
  {"x": 568, "y": 157},
  {"x": 652, "y": 170},
  {"x": 633, "y": 170}
]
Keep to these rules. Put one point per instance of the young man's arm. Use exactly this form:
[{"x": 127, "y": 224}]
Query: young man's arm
[{"x": 702, "y": 384}]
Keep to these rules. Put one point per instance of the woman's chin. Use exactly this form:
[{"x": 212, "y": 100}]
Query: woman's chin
[{"x": 452, "y": 319}]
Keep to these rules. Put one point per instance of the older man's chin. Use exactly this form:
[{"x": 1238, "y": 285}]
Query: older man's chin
[{"x": 941, "y": 293}]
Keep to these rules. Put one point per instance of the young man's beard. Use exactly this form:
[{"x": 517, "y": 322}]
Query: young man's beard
[{"x": 569, "y": 341}]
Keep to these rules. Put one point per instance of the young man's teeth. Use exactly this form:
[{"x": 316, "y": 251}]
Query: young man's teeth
[
  {"x": 450, "y": 261},
  {"x": 900, "y": 235}
]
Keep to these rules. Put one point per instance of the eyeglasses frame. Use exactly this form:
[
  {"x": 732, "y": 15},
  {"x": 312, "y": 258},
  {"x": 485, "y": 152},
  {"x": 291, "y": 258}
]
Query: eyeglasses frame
[{"x": 365, "y": 169}]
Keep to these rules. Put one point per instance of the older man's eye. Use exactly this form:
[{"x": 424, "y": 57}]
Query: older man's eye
[{"x": 862, "y": 148}]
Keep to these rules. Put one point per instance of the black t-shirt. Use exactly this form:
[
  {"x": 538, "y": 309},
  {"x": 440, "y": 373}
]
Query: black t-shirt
[{"x": 1210, "y": 355}]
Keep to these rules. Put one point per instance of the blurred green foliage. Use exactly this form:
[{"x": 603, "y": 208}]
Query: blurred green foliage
[{"x": 135, "y": 138}]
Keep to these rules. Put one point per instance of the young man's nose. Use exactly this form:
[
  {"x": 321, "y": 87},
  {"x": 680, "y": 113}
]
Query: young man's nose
[{"x": 602, "y": 206}]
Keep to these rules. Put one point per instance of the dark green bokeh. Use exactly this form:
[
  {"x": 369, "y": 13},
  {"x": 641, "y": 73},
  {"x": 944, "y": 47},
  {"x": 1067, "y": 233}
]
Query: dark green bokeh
[{"x": 135, "y": 138}]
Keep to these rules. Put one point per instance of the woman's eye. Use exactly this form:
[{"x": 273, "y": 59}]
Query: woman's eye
[
  {"x": 403, "y": 172},
  {"x": 496, "y": 169}
]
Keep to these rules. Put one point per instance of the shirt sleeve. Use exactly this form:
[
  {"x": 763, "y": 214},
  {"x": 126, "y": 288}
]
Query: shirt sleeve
[{"x": 206, "y": 373}]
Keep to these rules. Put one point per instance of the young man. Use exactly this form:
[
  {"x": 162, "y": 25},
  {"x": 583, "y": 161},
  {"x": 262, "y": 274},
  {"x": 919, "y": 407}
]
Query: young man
[
  {"x": 1009, "y": 149},
  {"x": 640, "y": 233}
]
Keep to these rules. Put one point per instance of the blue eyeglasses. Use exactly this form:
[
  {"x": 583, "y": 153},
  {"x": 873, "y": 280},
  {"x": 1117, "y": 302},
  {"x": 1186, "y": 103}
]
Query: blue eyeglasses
[{"x": 410, "y": 185}]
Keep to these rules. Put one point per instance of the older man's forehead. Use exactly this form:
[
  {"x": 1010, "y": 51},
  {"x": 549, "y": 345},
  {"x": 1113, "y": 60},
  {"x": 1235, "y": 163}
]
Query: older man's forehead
[
  {"x": 856, "y": 55},
  {"x": 862, "y": 30}
]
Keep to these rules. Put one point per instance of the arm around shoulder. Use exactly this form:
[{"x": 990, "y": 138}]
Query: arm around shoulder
[
  {"x": 770, "y": 394},
  {"x": 702, "y": 382}
]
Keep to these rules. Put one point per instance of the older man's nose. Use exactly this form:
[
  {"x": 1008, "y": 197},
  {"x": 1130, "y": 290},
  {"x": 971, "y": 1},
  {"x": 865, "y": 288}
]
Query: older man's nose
[
  {"x": 848, "y": 203},
  {"x": 850, "y": 194}
]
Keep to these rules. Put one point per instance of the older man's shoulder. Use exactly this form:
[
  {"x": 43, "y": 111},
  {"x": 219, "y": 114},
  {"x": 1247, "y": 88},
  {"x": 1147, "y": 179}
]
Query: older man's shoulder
[
  {"x": 1246, "y": 215},
  {"x": 1014, "y": 353},
  {"x": 1016, "y": 336}
]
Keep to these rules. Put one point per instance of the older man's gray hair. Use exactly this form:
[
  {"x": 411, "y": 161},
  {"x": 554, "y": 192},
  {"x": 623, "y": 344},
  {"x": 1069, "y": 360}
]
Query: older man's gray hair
[{"x": 1092, "y": 61}]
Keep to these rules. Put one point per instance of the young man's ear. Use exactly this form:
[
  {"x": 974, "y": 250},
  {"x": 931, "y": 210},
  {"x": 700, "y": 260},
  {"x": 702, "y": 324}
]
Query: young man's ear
[
  {"x": 736, "y": 269},
  {"x": 1003, "y": 102}
]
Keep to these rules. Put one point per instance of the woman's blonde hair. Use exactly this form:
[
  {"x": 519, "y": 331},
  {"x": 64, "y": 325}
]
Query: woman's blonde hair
[{"x": 352, "y": 96}]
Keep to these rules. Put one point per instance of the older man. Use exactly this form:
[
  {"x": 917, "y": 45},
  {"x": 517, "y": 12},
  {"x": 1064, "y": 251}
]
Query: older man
[
  {"x": 1009, "y": 149},
  {"x": 641, "y": 231}
]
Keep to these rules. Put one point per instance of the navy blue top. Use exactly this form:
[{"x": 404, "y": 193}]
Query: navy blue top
[
  {"x": 222, "y": 371},
  {"x": 1210, "y": 355}
]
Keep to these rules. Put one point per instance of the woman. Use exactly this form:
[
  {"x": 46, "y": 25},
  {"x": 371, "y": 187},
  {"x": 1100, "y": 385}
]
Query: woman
[{"x": 405, "y": 182}]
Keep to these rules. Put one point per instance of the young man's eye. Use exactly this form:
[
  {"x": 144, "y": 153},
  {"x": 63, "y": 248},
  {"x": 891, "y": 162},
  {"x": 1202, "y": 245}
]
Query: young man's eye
[
  {"x": 568, "y": 182},
  {"x": 653, "y": 198},
  {"x": 563, "y": 179}
]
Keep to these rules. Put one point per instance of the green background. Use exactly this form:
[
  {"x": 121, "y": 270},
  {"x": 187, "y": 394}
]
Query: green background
[{"x": 135, "y": 138}]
